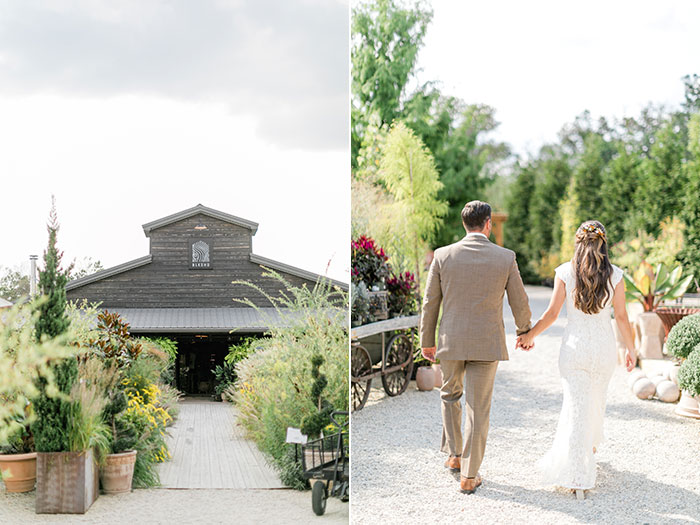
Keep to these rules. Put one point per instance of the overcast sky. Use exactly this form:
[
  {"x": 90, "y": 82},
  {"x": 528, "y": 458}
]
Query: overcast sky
[
  {"x": 133, "y": 110},
  {"x": 541, "y": 63}
]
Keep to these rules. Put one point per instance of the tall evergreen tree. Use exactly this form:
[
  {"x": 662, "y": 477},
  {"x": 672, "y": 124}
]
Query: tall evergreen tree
[
  {"x": 518, "y": 230},
  {"x": 53, "y": 413}
]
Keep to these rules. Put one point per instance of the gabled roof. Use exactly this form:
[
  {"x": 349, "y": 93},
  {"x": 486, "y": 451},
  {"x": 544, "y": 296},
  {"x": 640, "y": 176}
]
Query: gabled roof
[
  {"x": 4, "y": 303},
  {"x": 305, "y": 274},
  {"x": 109, "y": 272},
  {"x": 185, "y": 214}
]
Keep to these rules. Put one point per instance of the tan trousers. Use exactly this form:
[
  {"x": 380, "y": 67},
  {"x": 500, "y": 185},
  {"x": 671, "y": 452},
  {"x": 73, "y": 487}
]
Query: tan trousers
[{"x": 476, "y": 379}]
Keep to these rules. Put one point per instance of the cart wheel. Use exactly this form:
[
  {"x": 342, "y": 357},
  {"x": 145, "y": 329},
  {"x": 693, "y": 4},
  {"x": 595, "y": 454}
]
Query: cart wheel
[
  {"x": 398, "y": 351},
  {"x": 361, "y": 365},
  {"x": 319, "y": 496}
]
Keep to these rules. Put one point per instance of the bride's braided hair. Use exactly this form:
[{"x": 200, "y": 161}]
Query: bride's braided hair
[{"x": 592, "y": 268}]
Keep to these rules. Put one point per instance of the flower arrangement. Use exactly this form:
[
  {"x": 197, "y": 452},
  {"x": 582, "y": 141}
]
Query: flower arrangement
[
  {"x": 369, "y": 263},
  {"x": 403, "y": 293}
]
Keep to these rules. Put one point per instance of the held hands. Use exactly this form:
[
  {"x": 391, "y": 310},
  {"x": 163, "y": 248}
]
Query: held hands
[
  {"x": 429, "y": 353},
  {"x": 525, "y": 342}
]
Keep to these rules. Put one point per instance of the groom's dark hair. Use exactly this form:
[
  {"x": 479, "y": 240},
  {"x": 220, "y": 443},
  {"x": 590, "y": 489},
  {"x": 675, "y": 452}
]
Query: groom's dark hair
[{"x": 475, "y": 214}]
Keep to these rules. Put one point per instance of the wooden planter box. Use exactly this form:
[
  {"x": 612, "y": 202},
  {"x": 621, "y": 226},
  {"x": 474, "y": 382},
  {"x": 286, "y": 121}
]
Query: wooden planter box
[{"x": 66, "y": 482}]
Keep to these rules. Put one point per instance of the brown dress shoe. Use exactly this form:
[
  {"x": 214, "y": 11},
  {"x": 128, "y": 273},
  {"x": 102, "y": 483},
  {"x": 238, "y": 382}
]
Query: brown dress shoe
[
  {"x": 469, "y": 485},
  {"x": 453, "y": 463}
]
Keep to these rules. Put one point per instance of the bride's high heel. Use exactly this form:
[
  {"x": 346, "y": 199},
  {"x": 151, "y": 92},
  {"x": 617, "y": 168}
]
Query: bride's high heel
[{"x": 580, "y": 495}]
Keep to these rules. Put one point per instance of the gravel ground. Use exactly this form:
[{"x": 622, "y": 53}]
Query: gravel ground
[
  {"x": 648, "y": 470},
  {"x": 155, "y": 506}
]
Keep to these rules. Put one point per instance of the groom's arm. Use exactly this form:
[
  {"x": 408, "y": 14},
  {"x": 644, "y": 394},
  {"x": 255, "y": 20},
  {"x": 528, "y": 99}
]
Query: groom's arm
[
  {"x": 431, "y": 306},
  {"x": 518, "y": 301}
]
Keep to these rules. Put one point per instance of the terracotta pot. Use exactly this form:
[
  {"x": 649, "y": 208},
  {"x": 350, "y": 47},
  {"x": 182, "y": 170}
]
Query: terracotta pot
[
  {"x": 650, "y": 328},
  {"x": 20, "y": 471},
  {"x": 688, "y": 405},
  {"x": 425, "y": 378},
  {"x": 438, "y": 375},
  {"x": 118, "y": 472}
]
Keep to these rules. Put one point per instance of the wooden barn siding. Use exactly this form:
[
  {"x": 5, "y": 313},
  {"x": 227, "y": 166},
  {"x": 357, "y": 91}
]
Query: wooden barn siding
[{"x": 168, "y": 282}]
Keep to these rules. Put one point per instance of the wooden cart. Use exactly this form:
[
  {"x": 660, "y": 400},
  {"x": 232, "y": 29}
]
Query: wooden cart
[{"x": 380, "y": 349}]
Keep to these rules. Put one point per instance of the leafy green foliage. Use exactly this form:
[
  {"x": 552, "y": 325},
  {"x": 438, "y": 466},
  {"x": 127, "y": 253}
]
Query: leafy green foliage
[
  {"x": 386, "y": 38},
  {"x": 689, "y": 373},
  {"x": 652, "y": 285},
  {"x": 14, "y": 284},
  {"x": 274, "y": 386},
  {"x": 690, "y": 255},
  {"x": 225, "y": 376},
  {"x": 314, "y": 423},
  {"x": 112, "y": 340},
  {"x": 26, "y": 370},
  {"x": 517, "y": 234},
  {"x": 407, "y": 169},
  {"x": 241, "y": 350},
  {"x": 684, "y": 336}
]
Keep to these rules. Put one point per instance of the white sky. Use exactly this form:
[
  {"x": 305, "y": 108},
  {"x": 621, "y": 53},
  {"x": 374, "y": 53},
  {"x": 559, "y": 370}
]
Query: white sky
[
  {"x": 541, "y": 63},
  {"x": 132, "y": 111}
]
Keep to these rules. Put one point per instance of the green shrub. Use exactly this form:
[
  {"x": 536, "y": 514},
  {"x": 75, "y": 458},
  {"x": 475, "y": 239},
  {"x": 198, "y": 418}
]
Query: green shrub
[
  {"x": 689, "y": 373},
  {"x": 274, "y": 385},
  {"x": 684, "y": 336}
]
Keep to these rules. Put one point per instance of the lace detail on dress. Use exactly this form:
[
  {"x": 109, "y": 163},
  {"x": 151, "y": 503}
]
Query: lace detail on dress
[{"x": 587, "y": 359}]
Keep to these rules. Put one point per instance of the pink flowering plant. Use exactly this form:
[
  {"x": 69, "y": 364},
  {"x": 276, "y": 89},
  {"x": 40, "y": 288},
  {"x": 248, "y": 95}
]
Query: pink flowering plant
[
  {"x": 403, "y": 294},
  {"x": 369, "y": 263}
]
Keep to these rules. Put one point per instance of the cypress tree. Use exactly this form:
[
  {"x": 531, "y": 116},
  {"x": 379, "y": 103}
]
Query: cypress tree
[{"x": 53, "y": 413}]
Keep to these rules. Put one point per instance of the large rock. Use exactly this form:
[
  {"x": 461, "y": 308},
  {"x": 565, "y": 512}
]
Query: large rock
[
  {"x": 657, "y": 379},
  {"x": 643, "y": 388},
  {"x": 667, "y": 391},
  {"x": 633, "y": 376}
]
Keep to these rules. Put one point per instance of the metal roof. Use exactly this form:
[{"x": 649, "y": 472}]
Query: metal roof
[
  {"x": 194, "y": 320},
  {"x": 184, "y": 214}
]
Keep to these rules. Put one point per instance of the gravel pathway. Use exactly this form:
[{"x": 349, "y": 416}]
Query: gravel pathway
[
  {"x": 156, "y": 506},
  {"x": 648, "y": 470}
]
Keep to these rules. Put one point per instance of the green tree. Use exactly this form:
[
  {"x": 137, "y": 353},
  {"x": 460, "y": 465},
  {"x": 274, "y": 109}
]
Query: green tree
[
  {"x": 517, "y": 233},
  {"x": 661, "y": 187},
  {"x": 552, "y": 172},
  {"x": 14, "y": 284},
  {"x": 386, "y": 38},
  {"x": 54, "y": 413},
  {"x": 619, "y": 182},
  {"x": 690, "y": 256},
  {"x": 407, "y": 170},
  {"x": 588, "y": 176}
]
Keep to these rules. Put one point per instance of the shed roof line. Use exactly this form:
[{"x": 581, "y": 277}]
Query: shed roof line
[
  {"x": 109, "y": 272},
  {"x": 305, "y": 274},
  {"x": 185, "y": 214}
]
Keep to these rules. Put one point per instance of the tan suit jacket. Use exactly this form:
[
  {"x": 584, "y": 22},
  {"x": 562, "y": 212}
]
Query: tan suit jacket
[{"x": 470, "y": 278}]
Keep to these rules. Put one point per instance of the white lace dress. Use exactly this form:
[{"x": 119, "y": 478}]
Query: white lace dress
[{"x": 587, "y": 359}]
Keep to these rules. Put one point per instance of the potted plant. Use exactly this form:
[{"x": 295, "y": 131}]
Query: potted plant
[
  {"x": 224, "y": 376},
  {"x": 689, "y": 381},
  {"x": 683, "y": 340},
  {"x": 18, "y": 461},
  {"x": 403, "y": 294},
  {"x": 369, "y": 265},
  {"x": 650, "y": 286},
  {"x": 117, "y": 471}
]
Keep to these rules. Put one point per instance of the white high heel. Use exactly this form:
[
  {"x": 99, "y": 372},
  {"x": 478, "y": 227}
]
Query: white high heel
[{"x": 580, "y": 495}]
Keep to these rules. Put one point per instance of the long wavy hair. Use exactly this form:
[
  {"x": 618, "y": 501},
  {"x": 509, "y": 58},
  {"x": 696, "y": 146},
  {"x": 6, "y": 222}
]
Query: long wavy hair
[{"x": 592, "y": 268}]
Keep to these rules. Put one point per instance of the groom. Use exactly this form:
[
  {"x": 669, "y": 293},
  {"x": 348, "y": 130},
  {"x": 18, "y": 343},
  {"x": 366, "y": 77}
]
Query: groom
[{"x": 469, "y": 278}]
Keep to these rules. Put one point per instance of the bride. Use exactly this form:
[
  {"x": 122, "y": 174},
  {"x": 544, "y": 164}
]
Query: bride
[{"x": 590, "y": 285}]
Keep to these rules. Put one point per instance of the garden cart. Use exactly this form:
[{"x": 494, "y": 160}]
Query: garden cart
[
  {"x": 326, "y": 463},
  {"x": 381, "y": 349}
]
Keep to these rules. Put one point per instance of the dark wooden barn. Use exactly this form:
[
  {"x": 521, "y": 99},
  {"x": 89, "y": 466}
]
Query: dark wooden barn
[{"x": 183, "y": 289}]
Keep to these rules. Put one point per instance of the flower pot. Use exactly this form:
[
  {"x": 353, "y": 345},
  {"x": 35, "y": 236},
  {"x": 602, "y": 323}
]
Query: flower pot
[
  {"x": 438, "y": 374},
  {"x": 688, "y": 405},
  {"x": 66, "y": 482},
  {"x": 118, "y": 472},
  {"x": 650, "y": 330},
  {"x": 18, "y": 471},
  {"x": 425, "y": 378}
]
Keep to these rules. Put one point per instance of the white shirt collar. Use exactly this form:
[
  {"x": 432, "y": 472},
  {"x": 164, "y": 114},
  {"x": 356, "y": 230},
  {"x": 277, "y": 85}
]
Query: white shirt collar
[{"x": 471, "y": 234}]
